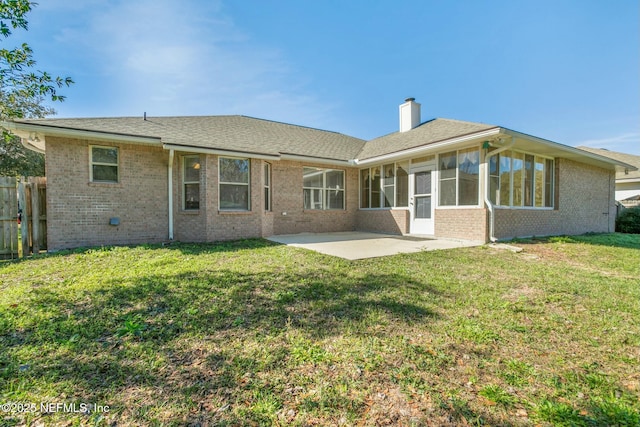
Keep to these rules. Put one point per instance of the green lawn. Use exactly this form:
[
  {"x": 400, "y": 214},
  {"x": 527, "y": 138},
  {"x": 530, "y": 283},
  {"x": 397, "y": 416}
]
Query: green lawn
[{"x": 253, "y": 333}]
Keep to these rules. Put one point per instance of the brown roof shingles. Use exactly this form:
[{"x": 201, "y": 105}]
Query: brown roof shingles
[
  {"x": 234, "y": 133},
  {"x": 629, "y": 159},
  {"x": 426, "y": 133}
]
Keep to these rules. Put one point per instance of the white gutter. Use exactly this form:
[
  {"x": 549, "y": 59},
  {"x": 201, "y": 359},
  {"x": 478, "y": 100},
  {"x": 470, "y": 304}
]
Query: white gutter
[
  {"x": 321, "y": 160},
  {"x": 25, "y": 130},
  {"x": 487, "y": 186},
  {"x": 428, "y": 148},
  {"x": 201, "y": 150},
  {"x": 170, "y": 186},
  {"x": 619, "y": 165}
]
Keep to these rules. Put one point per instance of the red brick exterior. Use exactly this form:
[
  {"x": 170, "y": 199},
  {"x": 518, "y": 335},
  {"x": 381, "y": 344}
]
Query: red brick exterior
[
  {"x": 393, "y": 221},
  {"x": 79, "y": 210},
  {"x": 584, "y": 203},
  {"x": 461, "y": 223}
]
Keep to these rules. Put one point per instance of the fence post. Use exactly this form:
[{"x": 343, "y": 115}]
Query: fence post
[
  {"x": 35, "y": 217},
  {"x": 8, "y": 214},
  {"x": 24, "y": 223}
]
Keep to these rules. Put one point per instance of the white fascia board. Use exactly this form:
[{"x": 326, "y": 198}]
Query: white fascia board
[
  {"x": 320, "y": 160},
  {"x": 24, "y": 130},
  {"x": 219, "y": 152},
  {"x": 576, "y": 152},
  {"x": 625, "y": 180},
  {"x": 419, "y": 151}
]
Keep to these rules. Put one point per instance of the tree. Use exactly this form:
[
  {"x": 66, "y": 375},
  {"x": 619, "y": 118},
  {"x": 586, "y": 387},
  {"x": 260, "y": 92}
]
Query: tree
[{"x": 22, "y": 91}]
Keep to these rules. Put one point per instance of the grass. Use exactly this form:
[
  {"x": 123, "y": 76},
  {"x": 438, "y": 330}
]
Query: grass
[{"x": 253, "y": 333}]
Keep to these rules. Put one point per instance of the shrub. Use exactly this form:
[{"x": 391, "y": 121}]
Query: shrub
[{"x": 629, "y": 221}]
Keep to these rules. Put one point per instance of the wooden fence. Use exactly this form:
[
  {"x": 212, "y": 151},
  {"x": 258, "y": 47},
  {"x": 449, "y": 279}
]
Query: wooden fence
[
  {"x": 29, "y": 197},
  {"x": 8, "y": 218}
]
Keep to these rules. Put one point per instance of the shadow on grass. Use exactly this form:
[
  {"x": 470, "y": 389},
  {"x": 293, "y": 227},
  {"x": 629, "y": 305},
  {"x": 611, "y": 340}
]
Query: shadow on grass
[
  {"x": 185, "y": 248},
  {"x": 96, "y": 344}
]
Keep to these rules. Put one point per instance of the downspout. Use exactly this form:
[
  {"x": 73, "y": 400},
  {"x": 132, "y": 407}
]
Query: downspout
[
  {"x": 170, "y": 186},
  {"x": 487, "y": 186}
]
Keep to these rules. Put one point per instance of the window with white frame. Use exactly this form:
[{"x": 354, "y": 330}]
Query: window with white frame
[
  {"x": 234, "y": 191},
  {"x": 385, "y": 186},
  {"x": 267, "y": 187},
  {"x": 323, "y": 189},
  {"x": 191, "y": 182},
  {"x": 104, "y": 164},
  {"x": 523, "y": 180},
  {"x": 459, "y": 177}
]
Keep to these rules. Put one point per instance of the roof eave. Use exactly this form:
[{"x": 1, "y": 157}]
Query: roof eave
[
  {"x": 429, "y": 148},
  {"x": 34, "y": 135},
  {"x": 220, "y": 151},
  {"x": 573, "y": 153}
]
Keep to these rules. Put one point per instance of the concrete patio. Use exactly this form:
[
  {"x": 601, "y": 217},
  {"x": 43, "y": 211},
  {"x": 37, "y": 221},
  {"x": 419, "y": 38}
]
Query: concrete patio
[{"x": 359, "y": 245}]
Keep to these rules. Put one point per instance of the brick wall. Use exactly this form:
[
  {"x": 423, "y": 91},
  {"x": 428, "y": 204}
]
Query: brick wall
[
  {"x": 189, "y": 225},
  {"x": 393, "y": 221},
  {"x": 461, "y": 223},
  {"x": 584, "y": 203},
  {"x": 78, "y": 211},
  {"x": 289, "y": 217}
]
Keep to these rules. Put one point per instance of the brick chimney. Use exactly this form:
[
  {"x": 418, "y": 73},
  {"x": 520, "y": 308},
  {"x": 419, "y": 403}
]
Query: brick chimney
[{"x": 409, "y": 114}]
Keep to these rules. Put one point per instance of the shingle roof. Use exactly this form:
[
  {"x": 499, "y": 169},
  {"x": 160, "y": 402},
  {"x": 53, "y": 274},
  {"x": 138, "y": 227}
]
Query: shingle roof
[
  {"x": 629, "y": 159},
  {"x": 234, "y": 133},
  {"x": 429, "y": 132}
]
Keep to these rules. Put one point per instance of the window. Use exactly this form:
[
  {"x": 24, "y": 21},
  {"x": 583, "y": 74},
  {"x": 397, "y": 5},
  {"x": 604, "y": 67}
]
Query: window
[
  {"x": 365, "y": 188},
  {"x": 517, "y": 178},
  {"x": 267, "y": 187},
  {"x": 447, "y": 162},
  {"x": 494, "y": 180},
  {"x": 191, "y": 182},
  {"x": 375, "y": 187},
  {"x": 402, "y": 184},
  {"x": 388, "y": 185},
  {"x": 504, "y": 171},
  {"x": 468, "y": 177},
  {"x": 234, "y": 184},
  {"x": 104, "y": 164},
  {"x": 524, "y": 180},
  {"x": 322, "y": 188},
  {"x": 460, "y": 177}
]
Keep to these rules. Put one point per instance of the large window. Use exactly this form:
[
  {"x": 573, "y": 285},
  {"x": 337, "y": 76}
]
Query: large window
[
  {"x": 234, "y": 184},
  {"x": 104, "y": 164},
  {"x": 459, "y": 177},
  {"x": 523, "y": 180},
  {"x": 191, "y": 182},
  {"x": 385, "y": 186},
  {"x": 323, "y": 188}
]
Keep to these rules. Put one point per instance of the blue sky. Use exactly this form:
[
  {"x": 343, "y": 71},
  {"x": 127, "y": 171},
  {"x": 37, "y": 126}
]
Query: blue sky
[{"x": 564, "y": 70}]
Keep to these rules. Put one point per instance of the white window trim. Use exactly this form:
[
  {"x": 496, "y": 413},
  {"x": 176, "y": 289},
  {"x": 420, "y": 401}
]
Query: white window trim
[
  {"x": 248, "y": 184},
  {"x": 382, "y": 186},
  {"x": 457, "y": 206},
  {"x": 185, "y": 182},
  {"x": 324, "y": 188},
  {"x": 92, "y": 163},
  {"x": 553, "y": 180},
  {"x": 267, "y": 186}
]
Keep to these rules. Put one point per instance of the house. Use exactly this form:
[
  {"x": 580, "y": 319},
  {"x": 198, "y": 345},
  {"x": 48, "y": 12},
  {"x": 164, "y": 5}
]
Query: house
[
  {"x": 627, "y": 180},
  {"x": 201, "y": 179}
]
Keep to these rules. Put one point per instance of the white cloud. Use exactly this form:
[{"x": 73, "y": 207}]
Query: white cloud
[{"x": 179, "y": 58}]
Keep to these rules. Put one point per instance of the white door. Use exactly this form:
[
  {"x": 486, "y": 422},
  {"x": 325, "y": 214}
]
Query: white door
[{"x": 421, "y": 202}]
